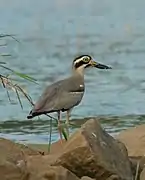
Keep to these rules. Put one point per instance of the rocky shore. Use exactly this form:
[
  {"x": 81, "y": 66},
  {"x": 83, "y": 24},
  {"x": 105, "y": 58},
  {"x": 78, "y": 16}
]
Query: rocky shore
[{"x": 90, "y": 153}]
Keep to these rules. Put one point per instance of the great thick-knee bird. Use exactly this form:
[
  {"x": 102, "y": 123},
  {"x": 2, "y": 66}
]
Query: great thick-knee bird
[{"x": 65, "y": 94}]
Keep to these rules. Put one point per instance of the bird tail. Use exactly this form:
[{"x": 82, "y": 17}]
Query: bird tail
[
  {"x": 30, "y": 116},
  {"x": 33, "y": 114}
]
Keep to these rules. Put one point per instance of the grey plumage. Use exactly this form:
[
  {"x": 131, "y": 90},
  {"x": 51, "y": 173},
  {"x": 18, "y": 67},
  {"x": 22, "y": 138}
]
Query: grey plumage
[{"x": 60, "y": 96}]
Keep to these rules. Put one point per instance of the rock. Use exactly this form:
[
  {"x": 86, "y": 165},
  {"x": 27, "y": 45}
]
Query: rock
[
  {"x": 38, "y": 162},
  {"x": 137, "y": 162},
  {"x": 142, "y": 175},
  {"x": 46, "y": 172},
  {"x": 57, "y": 147},
  {"x": 9, "y": 171},
  {"x": 18, "y": 162},
  {"x": 134, "y": 140},
  {"x": 38, "y": 168},
  {"x": 14, "y": 151},
  {"x": 86, "y": 178},
  {"x": 113, "y": 177},
  {"x": 10, "y": 155},
  {"x": 94, "y": 153}
]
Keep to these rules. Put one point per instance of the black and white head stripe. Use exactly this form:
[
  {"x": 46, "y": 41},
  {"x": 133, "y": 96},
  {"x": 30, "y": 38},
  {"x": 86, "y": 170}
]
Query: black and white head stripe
[{"x": 82, "y": 60}]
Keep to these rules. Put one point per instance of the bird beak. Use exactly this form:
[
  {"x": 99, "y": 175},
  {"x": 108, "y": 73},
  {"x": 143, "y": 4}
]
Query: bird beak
[{"x": 98, "y": 65}]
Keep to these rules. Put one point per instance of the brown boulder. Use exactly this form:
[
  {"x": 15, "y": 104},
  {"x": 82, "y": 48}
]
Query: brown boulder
[
  {"x": 10, "y": 155},
  {"x": 14, "y": 151},
  {"x": 9, "y": 171},
  {"x": 86, "y": 178},
  {"x": 94, "y": 153},
  {"x": 38, "y": 168},
  {"x": 37, "y": 162},
  {"x": 137, "y": 165},
  {"x": 142, "y": 175},
  {"x": 43, "y": 171},
  {"x": 57, "y": 147},
  {"x": 113, "y": 177},
  {"x": 134, "y": 140}
]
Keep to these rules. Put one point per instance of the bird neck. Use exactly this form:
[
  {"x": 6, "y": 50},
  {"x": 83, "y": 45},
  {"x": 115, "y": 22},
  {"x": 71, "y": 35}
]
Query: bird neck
[{"x": 79, "y": 71}]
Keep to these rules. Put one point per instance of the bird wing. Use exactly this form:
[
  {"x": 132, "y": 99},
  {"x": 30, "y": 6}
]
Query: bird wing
[
  {"x": 47, "y": 97},
  {"x": 70, "y": 94},
  {"x": 68, "y": 100},
  {"x": 58, "y": 96}
]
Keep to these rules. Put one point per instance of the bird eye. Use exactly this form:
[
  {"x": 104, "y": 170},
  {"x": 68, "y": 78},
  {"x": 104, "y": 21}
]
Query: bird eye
[{"x": 86, "y": 59}]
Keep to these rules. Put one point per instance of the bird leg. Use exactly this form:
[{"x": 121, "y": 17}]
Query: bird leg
[
  {"x": 59, "y": 126},
  {"x": 67, "y": 122}
]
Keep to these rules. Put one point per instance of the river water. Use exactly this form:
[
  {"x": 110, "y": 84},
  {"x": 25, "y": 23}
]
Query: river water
[{"x": 51, "y": 34}]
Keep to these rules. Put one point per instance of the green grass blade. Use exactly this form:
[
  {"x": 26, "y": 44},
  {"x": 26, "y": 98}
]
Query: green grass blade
[
  {"x": 62, "y": 128},
  {"x": 24, "y": 76},
  {"x": 50, "y": 135},
  {"x": 64, "y": 134}
]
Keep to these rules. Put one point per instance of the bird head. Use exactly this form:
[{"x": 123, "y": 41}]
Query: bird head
[{"x": 85, "y": 61}]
